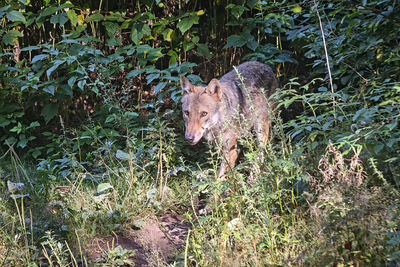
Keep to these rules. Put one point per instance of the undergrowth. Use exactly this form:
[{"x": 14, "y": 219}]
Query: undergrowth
[{"x": 92, "y": 147}]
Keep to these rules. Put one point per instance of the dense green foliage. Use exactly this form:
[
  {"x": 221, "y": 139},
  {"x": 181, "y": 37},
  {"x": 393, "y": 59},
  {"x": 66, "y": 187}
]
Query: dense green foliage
[{"x": 89, "y": 100}]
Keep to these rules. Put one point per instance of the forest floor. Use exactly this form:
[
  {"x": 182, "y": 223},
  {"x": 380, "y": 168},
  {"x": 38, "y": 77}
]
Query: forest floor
[{"x": 158, "y": 240}]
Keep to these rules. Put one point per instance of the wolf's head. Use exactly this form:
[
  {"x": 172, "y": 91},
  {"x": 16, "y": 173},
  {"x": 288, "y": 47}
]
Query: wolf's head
[{"x": 200, "y": 107}]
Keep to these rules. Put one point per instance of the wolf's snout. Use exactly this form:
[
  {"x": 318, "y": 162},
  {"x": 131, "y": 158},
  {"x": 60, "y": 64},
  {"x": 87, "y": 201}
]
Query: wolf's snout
[{"x": 190, "y": 138}]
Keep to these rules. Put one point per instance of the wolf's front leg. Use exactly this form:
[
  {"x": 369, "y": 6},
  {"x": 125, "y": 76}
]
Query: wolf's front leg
[{"x": 230, "y": 154}]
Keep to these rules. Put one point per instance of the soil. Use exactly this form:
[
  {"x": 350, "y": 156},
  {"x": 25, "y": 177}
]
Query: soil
[{"x": 155, "y": 243}]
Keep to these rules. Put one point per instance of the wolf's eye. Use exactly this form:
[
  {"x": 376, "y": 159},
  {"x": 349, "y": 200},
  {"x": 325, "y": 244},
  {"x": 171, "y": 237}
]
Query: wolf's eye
[
  {"x": 186, "y": 113},
  {"x": 203, "y": 114}
]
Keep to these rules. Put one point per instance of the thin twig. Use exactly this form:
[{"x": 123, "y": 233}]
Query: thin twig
[{"x": 327, "y": 59}]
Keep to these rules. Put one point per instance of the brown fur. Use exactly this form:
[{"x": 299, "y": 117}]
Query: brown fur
[{"x": 224, "y": 108}]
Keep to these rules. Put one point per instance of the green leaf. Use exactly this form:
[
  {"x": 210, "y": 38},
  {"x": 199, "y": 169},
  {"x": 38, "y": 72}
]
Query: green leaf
[
  {"x": 48, "y": 11},
  {"x": 187, "y": 44},
  {"x": 22, "y": 141},
  {"x": 96, "y": 17},
  {"x": 10, "y": 37},
  {"x": 187, "y": 23},
  {"x": 3, "y": 9},
  {"x": 72, "y": 17},
  {"x": 378, "y": 146},
  {"x": 39, "y": 57},
  {"x": 159, "y": 87},
  {"x": 15, "y": 15},
  {"x": 59, "y": 19},
  {"x": 33, "y": 125},
  {"x": 122, "y": 155},
  {"x": 71, "y": 81},
  {"x": 111, "y": 28},
  {"x": 49, "y": 112},
  {"x": 252, "y": 43},
  {"x": 54, "y": 67},
  {"x": 81, "y": 84},
  {"x": 135, "y": 73},
  {"x": 30, "y": 48},
  {"x": 203, "y": 50},
  {"x": 103, "y": 187},
  {"x": 114, "y": 42},
  {"x": 50, "y": 89},
  {"x": 139, "y": 30},
  {"x": 152, "y": 77},
  {"x": 173, "y": 56},
  {"x": 235, "y": 41},
  {"x": 17, "y": 129}
]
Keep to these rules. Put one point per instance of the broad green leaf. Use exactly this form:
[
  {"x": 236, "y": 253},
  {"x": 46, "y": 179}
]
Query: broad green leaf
[
  {"x": 203, "y": 50},
  {"x": 81, "y": 84},
  {"x": 131, "y": 114},
  {"x": 48, "y": 11},
  {"x": 155, "y": 53},
  {"x": 72, "y": 17},
  {"x": 235, "y": 41},
  {"x": 114, "y": 42},
  {"x": 134, "y": 73},
  {"x": 33, "y": 124},
  {"x": 237, "y": 10},
  {"x": 251, "y": 43},
  {"x": 378, "y": 146},
  {"x": 152, "y": 77},
  {"x": 159, "y": 87},
  {"x": 173, "y": 56},
  {"x": 3, "y": 9},
  {"x": 11, "y": 36},
  {"x": 59, "y": 19},
  {"x": 187, "y": 44},
  {"x": 195, "y": 39},
  {"x": 54, "y": 67},
  {"x": 49, "y": 112},
  {"x": 50, "y": 89},
  {"x": 22, "y": 142},
  {"x": 103, "y": 187},
  {"x": 30, "y": 48},
  {"x": 15, "y": 15},
  {"x": 139, "y": 30},
  {"x": 122, "y": 155},
  {"x": 111, "y": 28},
  {"x": 39, "y": 57},
  {"x": 187, "y": 23},
  {"x": 96, "y": 17},
  {"x": 17, "y": 129}
]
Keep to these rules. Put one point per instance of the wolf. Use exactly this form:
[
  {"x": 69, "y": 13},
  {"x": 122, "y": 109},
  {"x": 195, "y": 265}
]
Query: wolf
[{"x": 225, "y": 108}]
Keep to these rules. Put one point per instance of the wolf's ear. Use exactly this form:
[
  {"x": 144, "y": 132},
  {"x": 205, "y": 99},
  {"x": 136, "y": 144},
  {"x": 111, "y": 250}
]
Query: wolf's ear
[
  {"x": 214, "y": 89},
  {"x": 186, "y": 85}
]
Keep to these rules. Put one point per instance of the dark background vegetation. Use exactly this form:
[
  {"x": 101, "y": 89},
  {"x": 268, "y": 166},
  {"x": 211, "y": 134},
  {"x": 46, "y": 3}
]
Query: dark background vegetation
[{"x": 85, "y": 85}]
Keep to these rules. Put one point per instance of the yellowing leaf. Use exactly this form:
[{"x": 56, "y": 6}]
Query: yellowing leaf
[
  {"x": 297, "y": 9},
  {"x": 168, "y": 35},
  {"x": 81, "y": 19},
  {"x": 200, "y": 12}
]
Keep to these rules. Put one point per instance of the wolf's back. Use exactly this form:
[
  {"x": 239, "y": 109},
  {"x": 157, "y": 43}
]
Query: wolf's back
[{"x": 256, "y": 75}]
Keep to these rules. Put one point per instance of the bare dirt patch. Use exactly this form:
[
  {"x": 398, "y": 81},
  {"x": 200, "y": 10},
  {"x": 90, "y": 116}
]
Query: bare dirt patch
[{"x": 155, "y": 243}]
